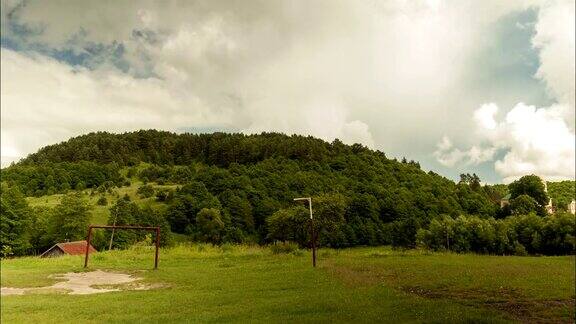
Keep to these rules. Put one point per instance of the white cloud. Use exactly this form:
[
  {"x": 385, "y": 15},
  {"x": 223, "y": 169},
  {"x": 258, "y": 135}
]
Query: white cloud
[
  {"x": 539, "y": 141},
  {"x": 446, "y": 154},
  {"x": 450, "y": 156},
  {"x": 391, "y": 75},
  {"x": 45, "y": 102},
  {"x": 533, "y": 140},
  {"x": 484, "y": 115},
  {"x": 555, "y": 39}
]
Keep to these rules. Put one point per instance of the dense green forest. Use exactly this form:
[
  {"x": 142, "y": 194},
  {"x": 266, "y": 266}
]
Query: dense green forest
[{"x": 240, "y": 188}]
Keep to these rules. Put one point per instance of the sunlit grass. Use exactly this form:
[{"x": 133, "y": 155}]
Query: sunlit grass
[{"x": 202, "y": 282}]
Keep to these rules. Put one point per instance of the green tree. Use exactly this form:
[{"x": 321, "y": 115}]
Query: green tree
[
  {"x": 290, "y": 224},
  {"x": 15, "y": 218},
  {"x": 152, "y": 217},
  {"x": 102, "y": 201},
  {"x": 124, "y": 212},
  {"x": 146, "y": 191},
  {"x": 524, "y": 205},
  {"x": 240, "y": 210},
  {"x": 186, "y": 204},
  {"x": 329, "y": 213},
  {"x": 209, "y": 225},
  {"x": 530, "y": 185},
  {"x": 40, "y": 229},
  {"x": 70, "y": 219}
]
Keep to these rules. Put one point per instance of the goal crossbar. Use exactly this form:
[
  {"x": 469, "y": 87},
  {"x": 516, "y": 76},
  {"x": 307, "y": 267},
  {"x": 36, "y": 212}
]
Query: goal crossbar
[{"x": 148, "y": 228}]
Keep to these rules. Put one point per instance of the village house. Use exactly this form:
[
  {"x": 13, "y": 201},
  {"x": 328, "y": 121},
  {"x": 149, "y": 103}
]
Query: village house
[
  {"x": 68, "y": 248},
  {"x": 505, "y": 201}
]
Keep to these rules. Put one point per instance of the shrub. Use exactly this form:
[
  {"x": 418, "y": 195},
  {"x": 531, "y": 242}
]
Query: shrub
[
  {"x": 164, "y": 195},
  {"x": 209, "y": 225},
  {"x": 284, "y": 247},
  {"x": 523, "y": 205},
  {"x": 226, "y": 247},
  {"x": 102, "y": 201},
  {"x": 519, "y": 249},
  {"x": 289, "y": 225},
  {"x": 519, "y": 235},
  {"x": 146, "y": 191}
]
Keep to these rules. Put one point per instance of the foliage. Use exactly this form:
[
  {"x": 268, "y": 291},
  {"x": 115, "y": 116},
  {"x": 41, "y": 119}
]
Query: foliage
[
  {"x": 530, "y": 185},
  {"x": 70, "y": 219},
  {"x": 524, "y": 204},
  {"x": 562, "y": 193},
  {"x": 56, "y": 176},
  {"x": 186, "y": 204},
  {"x": 291, "y": 224},
  {"x": 360, "y": 196},
  {"x": 15, "y": 221},
  {"x": 102, "y": 201},
  {"x": 209, "y": 225},
  {"x": 126, "y": 212},
  {"x": 146, "y": 191},
  {"x": 283, "y": 247},
  {"x": 521, "y": 235}
]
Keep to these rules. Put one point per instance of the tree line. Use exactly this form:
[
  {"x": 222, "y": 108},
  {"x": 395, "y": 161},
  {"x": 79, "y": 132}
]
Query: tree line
[
  {"x": 239, "y": 188},
  {"x": 32, "y": 230}
]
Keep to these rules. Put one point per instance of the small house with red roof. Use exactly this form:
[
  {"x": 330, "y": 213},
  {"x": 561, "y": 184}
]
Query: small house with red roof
[{"x": 69, "y": 248}]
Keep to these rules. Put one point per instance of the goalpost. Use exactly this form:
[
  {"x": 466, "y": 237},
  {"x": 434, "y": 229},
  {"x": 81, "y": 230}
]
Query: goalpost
[{"x": 148, "y": 228}]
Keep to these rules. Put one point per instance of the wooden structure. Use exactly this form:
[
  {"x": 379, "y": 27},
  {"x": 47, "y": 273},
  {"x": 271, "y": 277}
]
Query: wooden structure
[{"x": 68, "y": 248}]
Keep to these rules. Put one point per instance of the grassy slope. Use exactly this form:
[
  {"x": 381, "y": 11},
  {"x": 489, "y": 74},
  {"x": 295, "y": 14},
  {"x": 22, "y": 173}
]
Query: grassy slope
[
  {"x": 250, "y": 284},
  {"x": 100, "y": 214}
]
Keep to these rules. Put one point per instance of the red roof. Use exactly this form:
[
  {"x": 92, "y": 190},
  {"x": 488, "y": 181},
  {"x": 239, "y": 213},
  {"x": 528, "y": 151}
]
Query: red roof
[{"x": 73, "y": 248}]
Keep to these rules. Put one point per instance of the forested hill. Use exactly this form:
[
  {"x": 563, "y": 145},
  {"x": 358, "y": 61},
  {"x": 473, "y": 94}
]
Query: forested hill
[
  {"x": 237, "y": 188},
  {"x": 268, "y": 165},
  {"x": 219, "y": 149}
]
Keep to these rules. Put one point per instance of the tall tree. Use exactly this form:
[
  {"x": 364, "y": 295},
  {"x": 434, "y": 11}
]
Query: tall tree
[
  {"x": 124, "y": 212},
  {"x": 15, "y": 217},
  {"x": 209, "y": 225},
  {"x": 70, "y": 219},
  {"x": 530, "y": 185}
]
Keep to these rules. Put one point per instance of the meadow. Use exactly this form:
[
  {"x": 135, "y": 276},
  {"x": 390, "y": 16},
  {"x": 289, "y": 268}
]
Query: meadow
[{"x": 241, "y": 283}]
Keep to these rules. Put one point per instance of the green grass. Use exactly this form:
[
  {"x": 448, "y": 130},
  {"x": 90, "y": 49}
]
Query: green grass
[{"x": 250, "y": 284}]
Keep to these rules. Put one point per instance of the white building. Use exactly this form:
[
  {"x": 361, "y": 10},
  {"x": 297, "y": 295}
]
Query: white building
[{"x": 549, "y": 208}]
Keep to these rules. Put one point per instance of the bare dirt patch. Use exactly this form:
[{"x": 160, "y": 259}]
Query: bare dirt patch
[
  {"x": 507, "y": 300},
  {"x": 84, "y": 283}
]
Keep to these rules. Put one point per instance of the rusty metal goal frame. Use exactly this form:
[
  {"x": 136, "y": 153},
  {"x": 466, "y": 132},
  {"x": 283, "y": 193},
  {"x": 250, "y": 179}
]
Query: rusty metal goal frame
[{"x": 148, "y": 228}]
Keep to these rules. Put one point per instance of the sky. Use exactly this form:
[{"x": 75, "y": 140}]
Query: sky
[{"x": 460, "y": 86}]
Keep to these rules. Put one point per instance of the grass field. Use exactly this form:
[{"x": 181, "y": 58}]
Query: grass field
[{"x": 201, "y": 283}]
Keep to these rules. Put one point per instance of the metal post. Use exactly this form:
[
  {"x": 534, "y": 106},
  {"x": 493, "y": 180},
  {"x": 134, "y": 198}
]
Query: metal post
[
  {"x": 112, "y": 236},
  {"x": 312, "y": 231},
  {"x": 313, "y": 243},
  {"x": 313, "y": 234},
  {"x": 157, "y": 247},
  {"x": 88, "y": 238}
]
